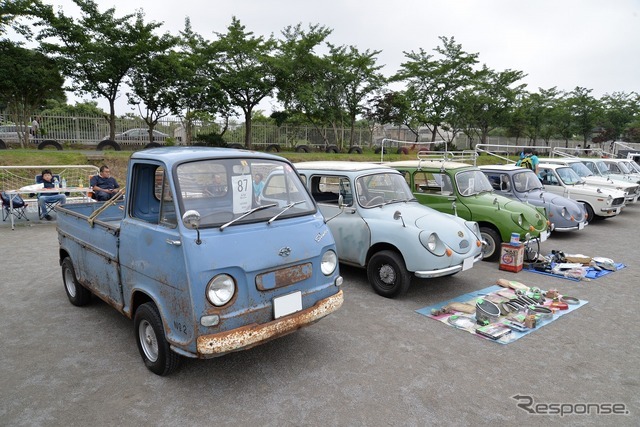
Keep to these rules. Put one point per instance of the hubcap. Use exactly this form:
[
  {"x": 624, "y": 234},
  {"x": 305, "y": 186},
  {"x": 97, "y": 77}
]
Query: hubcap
[
  {"x": 69, "y": 283},
  {"x": 148, "y": 340},
  {"x": 387, "y": 274}
]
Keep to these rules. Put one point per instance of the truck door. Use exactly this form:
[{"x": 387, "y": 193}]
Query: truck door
[{"x": 151, "y": 253}]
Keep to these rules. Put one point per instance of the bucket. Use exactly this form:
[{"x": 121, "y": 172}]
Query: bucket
[
  {"x": 515, "y": 239},
  {"x": 486, "y": 312}
]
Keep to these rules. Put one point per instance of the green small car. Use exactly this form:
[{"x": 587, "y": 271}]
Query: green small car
[{"x": 463, "y": 190}]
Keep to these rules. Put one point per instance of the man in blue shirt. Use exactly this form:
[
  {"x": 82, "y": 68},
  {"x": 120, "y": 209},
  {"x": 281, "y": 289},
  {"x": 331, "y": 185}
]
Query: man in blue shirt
[{"x": 104, "y": 186}]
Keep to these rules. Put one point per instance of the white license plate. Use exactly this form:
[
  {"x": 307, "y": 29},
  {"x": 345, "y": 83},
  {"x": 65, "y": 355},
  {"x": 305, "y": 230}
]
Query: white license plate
[
  {"x": 287, "y": 304},
  {"x": 467, "y": 263},
  {"x": 580, "y": 225},
  {"x": 543, "y": 236}
]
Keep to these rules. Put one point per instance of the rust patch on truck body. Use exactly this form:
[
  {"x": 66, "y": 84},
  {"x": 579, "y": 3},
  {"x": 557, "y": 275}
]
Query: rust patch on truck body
[{"x": 252, "y": 335}]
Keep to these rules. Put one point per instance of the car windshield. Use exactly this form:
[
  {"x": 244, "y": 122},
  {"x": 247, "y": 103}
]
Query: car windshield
[
  {"x": 568, "y": 176},
  {"x": 602, "y": 167},
  {"x": 227, "y": 191},
  {"x": 472, "y": 182},
  {"x": 382, "y": 188},
  {"x": 634, "y": 166},
  {"x": 526, "y": 181},
  {"x": 580, "y": 168},
  {"x": 629, "y": 167}
]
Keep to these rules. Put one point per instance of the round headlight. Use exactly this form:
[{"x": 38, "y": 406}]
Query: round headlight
[
  {"x": 221, "y": 289},
  {"x": 609, "y": 199},
  {"x": 563, "y": 212},
  {"x": 329, "y": 262},
  {"x": 432, "y": 241}
]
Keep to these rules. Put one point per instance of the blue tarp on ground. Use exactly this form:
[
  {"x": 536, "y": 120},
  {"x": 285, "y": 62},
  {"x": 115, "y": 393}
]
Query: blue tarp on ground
[
  {"x": 483, "y": 293},
  {"x": 592, "y": 273}
]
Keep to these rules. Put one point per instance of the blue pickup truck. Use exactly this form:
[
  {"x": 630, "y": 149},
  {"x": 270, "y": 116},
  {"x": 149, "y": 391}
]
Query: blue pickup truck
[{"x": 201, "y": 261}]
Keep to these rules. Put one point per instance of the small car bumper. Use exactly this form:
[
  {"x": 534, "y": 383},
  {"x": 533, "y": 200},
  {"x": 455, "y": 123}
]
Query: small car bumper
[
  {"x": 611, "y": 211},
  {"x": 252, "y": 335},
  {"x": 444, "y": 271},
  {"x": 578, "y": 226}
]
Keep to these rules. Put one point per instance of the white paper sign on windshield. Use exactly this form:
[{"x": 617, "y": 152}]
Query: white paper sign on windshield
[{"x": 242, "y": 188}]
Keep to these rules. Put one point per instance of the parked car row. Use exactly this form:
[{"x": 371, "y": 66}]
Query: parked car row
[{"x": 436, "y": 217}]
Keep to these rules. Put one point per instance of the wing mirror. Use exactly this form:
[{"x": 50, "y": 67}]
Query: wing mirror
[
  {"x": 191, "y": 219},
  {"x": 397, "y": 215},
  {"x": 341, "y": 206},
  {"x": 495, "y": 202}
]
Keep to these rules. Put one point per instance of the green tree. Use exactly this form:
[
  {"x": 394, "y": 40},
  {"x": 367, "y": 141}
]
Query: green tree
[
  {"x": 434, "y": 84},
  {"x": 153, "y": 81},
  {"x": 586, "y": 111},
  {"x": 356, "y": 78},
  {"x": 619, "y": 111},
  {"x": 29, "y": 78},
  {"x": 243, "y": 67},
  {"x": 97, "y": 50}
]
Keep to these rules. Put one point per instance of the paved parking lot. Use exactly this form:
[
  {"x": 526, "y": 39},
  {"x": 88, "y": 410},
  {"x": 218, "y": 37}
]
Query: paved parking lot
[{"x": 375, "y": 362}]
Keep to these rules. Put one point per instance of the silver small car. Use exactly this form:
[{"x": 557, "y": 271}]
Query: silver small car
[
  {"x": 523, "y": 185},
  {"x": 380, "y": 226}
]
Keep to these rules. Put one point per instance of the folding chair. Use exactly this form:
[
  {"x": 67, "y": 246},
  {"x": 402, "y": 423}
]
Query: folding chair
[
  {"x": 19, "y": 206},
  {"x": 48, "y": 206}
]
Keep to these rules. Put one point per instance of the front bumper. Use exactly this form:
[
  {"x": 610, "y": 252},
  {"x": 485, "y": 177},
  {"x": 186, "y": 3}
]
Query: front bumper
[
  {"x": 579, "y": 226},
  {"x": 444, "y": 271},
  {"x": 252, "y": 335}
]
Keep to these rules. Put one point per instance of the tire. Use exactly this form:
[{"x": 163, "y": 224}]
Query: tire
[
  {"x": 491, "y": 251},
  {"x": 302, "y": 149},
  {"x": 332, "y": 149},
  {"x": 3, "y": 146},
  {"x": 377, "y": 150},
  {"x": 388, "y": 274},
  {"x": 152, "y": 344},
  {"x": 355, "y": 150},
  {"x": 273, "y": 148},
  {"x": 591, "y": 215},
  {"x": 50, "y": 143},
  {"x": 402, "y": 150},
  {"x": 78, "y": 295},
  {"x": 236, "y": 146},
  {"x": 151, "y": 145},
  {"x": 107, "y": 143}
]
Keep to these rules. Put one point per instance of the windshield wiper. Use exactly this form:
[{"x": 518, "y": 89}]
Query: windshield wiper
[
  {"x": 247, "y": 213},
  {"x": 286, "y": 208}
]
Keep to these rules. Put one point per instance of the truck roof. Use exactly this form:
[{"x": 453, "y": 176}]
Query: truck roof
[
  {"x": 339, "y": 166},
  {"x": 171, "y": 155}
]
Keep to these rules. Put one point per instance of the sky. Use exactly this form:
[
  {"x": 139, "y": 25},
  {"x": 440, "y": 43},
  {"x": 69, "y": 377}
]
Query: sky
[{"x": 557, "y": 43}]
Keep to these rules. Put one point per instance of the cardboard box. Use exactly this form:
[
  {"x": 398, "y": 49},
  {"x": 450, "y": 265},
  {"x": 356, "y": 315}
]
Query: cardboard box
[{"x": 511, "y": 257}]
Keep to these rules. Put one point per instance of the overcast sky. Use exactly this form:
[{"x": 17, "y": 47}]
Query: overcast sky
[{"x": 563, "y": 43}]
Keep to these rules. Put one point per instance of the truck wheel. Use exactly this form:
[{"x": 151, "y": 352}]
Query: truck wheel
[
  {"x": 152, "y": 344},
  {"x": 302, "y": 149},
  {"x": 355, "y": 150},
  {"x": 236, "y": 146},
  {"x": 387, "y": 274},
  {"x": 78, "y": 295},
  {"x": 3, "y": 146},
  {"x": 273, "y": 148},
  {"x": 152, "y": 145},
  {"x": 490, "y": 251}
]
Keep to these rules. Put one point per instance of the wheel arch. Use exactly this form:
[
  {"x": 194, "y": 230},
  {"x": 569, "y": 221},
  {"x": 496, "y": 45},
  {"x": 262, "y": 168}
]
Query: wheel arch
[{"x": 382, "y": 246}]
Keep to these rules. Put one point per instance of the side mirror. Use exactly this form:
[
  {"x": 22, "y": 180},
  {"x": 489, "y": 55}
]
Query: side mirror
[
  {"x": 495, "y": 202},
  {"x": 454, "y": 206},
  {"x": 341, "y": 207},
  {"x": 397, "y": 215},
  {"x": 191, "y": 219}
]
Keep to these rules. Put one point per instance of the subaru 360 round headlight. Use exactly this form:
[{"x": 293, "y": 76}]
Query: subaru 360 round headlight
[
  {"x": 329, "y": 262},
  {"x": 221, "y": 289}
]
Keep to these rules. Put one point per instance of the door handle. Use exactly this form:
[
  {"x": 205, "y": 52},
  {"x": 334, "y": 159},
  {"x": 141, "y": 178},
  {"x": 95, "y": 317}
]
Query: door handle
[{"x": 174, "y": 242}]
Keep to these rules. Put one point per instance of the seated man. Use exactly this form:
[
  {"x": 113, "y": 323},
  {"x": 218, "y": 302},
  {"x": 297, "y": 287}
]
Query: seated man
[
  {"x": 104, "y": 186},
  {"x": 44, "y": 198}
]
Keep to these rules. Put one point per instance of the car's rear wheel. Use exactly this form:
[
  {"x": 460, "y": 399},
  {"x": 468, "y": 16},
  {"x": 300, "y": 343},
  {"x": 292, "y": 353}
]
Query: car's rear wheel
[
  {"x": 388, "y": 274},
  {"x": 491, "y": 249},
  {"x": 78, "y": 295}
]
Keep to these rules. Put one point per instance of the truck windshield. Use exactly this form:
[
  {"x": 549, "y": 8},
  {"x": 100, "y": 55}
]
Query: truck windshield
[{"x": 227, "y": 191}]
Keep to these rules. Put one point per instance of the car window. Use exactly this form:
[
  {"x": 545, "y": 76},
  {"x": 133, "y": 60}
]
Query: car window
[
  {"x": 548, "y": 177},
  {"x": 526, "y": 181}
]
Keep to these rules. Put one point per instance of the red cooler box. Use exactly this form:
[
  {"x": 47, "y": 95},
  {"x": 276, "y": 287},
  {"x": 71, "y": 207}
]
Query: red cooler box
[{"x": 511, "y": 257}]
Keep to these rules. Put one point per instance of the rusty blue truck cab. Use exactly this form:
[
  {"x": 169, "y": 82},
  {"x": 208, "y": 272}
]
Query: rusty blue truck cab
[{"x": 205, "y": 260}]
